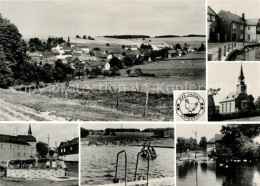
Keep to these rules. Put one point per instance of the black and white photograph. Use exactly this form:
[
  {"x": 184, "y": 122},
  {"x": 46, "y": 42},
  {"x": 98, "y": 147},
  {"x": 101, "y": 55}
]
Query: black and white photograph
[
  {"x": 218, "y": 154},
  {"x": 104, "y": 60},
  {"x": 233, "y": 30},
  {"x": 234, "y": 91},
  {"x": 123, "y": 154},
  {"x": 39, "y": 154}
]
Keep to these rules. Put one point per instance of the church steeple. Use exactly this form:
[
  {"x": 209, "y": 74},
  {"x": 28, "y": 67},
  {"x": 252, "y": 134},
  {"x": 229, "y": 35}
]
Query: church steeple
[
  {"x": 68, "y": 42},
  {"x": 29, "y": 130},
  {"x": 241, "y": 87}
]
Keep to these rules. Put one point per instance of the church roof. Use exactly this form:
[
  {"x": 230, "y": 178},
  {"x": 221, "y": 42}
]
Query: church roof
[
  {"x": 12, "y": 139},
  {"x": 230, "y": 97},
  {"x": 26, "y": 138},
  {"x": 241, "y": 76}
]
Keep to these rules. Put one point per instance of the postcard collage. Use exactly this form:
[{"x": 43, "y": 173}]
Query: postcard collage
[{"x": 130, "y": 92}]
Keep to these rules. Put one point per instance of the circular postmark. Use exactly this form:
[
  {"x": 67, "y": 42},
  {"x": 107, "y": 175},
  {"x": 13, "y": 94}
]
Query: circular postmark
[{"x": 190, "y": 106}]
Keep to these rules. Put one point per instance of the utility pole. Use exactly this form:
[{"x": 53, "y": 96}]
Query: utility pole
[
  {"x": 48, "y": 143},
  {"x": 195, "y": 144}
]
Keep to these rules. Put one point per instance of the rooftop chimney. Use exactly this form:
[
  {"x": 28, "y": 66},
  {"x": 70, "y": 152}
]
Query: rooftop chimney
[{"x": 243, "y": 16}]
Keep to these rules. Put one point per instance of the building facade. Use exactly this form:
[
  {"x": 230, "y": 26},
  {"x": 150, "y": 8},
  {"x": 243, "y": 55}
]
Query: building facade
[
  {"x": 252, "y": 30},
  {"x": 11, "y": 148},
  {"x": 231, "y": 27},
  {"x": 69, "y": 150},
  {"x": 212, "y": 33}
]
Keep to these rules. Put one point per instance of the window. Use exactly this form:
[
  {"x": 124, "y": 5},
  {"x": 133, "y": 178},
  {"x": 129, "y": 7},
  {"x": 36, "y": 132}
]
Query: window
[
  {"x": 24, "y": 148},
  {"x": 24, "y": 154},
  {"x": 11, "y": 146},
  {"x": 208, "y": 17},
  {"x": 18, "y": 146},
  {"x": 248, "y": 37},
  {"x": 2, "y": 146},
  {"x": 19, "y": 154},
  {"x": 71, "y": 148},
  {"x": 248, "y": 28},
  {"x": 241, "y": 36},
  {"x": 64, "y": 150},
  {"x": 234, "y": 26},
  {"x": 241, "y": 27},
  {"x": 213, "y": 18},
  {"x": 258, "y": 29}
]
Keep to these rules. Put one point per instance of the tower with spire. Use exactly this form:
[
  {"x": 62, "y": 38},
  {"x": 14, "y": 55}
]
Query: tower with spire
[
  {"x": 29, "y": 130},
  {"x": 241, "y": 86},
  {"x": 68, "y": 42}
]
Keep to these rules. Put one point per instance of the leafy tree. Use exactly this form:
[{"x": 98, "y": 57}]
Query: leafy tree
[
  {"x": 96, "y": 71},
  {"x": 35, "y": 44},
  {"x": 203, "y": 143},
  {"x": 84, "y": 37},
  {"x": 115, "y": 62},
  {"x": 84, "y": 132},
  {"x": 6, "y": 75},
  {"x": 257, "y": 103},
  {"x": 77, "y": 36},
  {"x": 143, "y": 46},
  {"x": 107, "y": 44},
  {"x": 42, "y": 149},
  {"x": 128, "y": 62}
]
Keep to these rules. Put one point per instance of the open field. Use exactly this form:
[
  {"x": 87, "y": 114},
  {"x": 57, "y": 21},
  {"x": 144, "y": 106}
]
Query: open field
[{"x": 83, "y": 106}]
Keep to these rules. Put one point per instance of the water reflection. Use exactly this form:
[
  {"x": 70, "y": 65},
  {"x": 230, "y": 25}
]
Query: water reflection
[
  {"x": 252, "y": 54},
  {"x": 209, "y": 174},
  {"x": 98, "y": 164}
]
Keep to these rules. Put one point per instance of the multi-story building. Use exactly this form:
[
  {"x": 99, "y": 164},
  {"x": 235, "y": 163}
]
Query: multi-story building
[
  {"x": 252, "y": 30},
  {"x": 212, "y": 25},
  {"x": 231, "y": 26}
]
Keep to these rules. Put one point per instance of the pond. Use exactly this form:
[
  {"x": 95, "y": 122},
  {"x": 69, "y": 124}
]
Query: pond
[
  {"x": 253, "y": 54},
  {"x": 98, "y": 164},
  {"x": 208, "y": 174}
]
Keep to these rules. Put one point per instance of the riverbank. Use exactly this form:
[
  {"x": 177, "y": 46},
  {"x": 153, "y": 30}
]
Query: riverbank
[{"x": 224, "y": 51}]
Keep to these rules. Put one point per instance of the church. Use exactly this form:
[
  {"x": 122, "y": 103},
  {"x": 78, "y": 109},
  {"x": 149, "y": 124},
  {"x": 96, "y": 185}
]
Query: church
[{"x": 236, "y": 101}]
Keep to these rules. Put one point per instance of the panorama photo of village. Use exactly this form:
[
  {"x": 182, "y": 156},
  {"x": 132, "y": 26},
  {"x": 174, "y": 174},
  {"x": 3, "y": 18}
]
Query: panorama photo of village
[
  {"x": 32, "y": 155},
  {"x": 88, "y": 60},
  {"x": 233, "y": 30}
]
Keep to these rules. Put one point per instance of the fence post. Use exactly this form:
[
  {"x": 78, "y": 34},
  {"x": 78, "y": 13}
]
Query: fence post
[
  {"x": 235, "y": 44},
  {"x": 146, "y": 102},
  {"x": 225, "y": 50},
  {"x": 228, "y": 47},
  {"x": 219, "y": 54},
  {"x": 232, "y": 45}
]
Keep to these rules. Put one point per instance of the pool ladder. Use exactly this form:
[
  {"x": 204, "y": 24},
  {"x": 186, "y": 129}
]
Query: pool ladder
[{"x": 116, "y": 180}]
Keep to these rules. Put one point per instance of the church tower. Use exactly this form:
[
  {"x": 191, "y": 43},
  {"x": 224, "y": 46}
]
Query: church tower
[
  {"x": 29, "y": 130},
  {"x": 241, "y": 87},
  {"x": 68, "y": 42}
]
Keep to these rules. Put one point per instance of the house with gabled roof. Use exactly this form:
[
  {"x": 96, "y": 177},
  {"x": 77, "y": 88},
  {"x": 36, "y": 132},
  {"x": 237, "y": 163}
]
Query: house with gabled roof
[
  {"x": 69, "y": 150},
  {"x": 231, "y": 26},
  {"x": 252, "y": 30}
]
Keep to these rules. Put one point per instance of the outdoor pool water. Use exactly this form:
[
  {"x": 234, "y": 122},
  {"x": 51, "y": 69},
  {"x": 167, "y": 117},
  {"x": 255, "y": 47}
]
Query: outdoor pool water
[
  {"x": 98, "y": 164},
  {"x": 208, "y": 174},
  {"x": 253, "y": 54}
]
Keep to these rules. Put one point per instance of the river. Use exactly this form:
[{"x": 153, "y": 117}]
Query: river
[
  {"x": 208, "y": 174},
  {"x": 98, "y": 164},
  {"x": 253, "y": 54}
]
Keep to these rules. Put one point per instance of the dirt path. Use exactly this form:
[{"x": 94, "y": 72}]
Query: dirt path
[{"x": 12, "y": 112}]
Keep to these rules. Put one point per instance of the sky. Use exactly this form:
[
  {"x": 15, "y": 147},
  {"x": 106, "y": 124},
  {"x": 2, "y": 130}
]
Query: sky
[
  {"x": 56, "y": 132},
  {"x": 129, "y": 126},
  {"x": 225, "y": 76},
  {"x": 105, "y": 17},
  {"x": 249, "y": 7},
  {"x": 208, "y": 130}
]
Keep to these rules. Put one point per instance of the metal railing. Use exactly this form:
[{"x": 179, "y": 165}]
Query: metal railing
[
  {"x": 148, "y": 165},
  {"x": 116, "y": 180}
]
